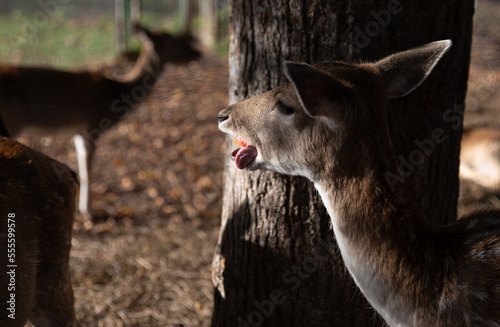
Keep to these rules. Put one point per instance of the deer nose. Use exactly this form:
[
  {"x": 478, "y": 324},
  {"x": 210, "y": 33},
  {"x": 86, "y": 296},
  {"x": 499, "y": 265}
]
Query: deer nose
[{"x": 222, "y": 117}]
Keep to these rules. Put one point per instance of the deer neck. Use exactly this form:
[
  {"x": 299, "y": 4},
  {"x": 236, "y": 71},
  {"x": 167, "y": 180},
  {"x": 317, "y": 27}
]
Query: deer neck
[
  {"x": 145, "y": 71},
  {"x": 377, "y": 231}
]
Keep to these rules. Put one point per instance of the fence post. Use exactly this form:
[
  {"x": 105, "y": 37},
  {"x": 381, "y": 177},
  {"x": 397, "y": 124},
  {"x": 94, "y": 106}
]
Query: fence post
[
  {"x": 119, "y": 27},
  {"x": 185, "y": 15},
  {"x": 208, "y": 13},
  {"x": 126, "y": 20},
  {"x": 122, "y": 25},
  {"x": 135, "y": 11}
]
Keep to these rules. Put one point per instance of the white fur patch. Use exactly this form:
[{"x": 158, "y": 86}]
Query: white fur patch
[
  {"x": 378, "y": 292},
  {"x": 81, "y": 155}
]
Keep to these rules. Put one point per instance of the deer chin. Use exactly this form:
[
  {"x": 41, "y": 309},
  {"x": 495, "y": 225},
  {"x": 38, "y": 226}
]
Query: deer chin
[{"x": 243, "y": 157}]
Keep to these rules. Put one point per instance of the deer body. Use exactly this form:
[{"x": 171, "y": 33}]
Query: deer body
[
  {"x": 37, "y": 206},
  {"x": 59, "y": 105},
  {"x": 39, "y": 102},
  {"x": 330, "y": 126},
  {"x": 480, "y": 157}
]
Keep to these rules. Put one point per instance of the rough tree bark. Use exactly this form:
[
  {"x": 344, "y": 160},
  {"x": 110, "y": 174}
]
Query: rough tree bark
[{"x": 277, "y": 263}]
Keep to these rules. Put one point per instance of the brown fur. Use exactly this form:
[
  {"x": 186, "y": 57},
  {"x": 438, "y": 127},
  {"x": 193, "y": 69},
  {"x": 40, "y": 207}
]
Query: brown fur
[
  {"x": 480, "y": 157},
  {"x": 414, "y": 272},
  {"x": 41, "y": 193}
]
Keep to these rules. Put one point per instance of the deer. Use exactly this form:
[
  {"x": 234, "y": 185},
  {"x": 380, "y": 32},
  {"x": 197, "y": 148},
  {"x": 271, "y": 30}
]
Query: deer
[
  {"x": 37, "y": 208},
  {"x": 480, "y": 157},
  {"x": 330, "y": 125},
  {"x": 43, "y": 102}
]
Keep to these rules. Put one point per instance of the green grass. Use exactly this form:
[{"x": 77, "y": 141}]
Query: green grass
[
  {"x": 73, "y": 43},
  {"x": 55, "y": 41}
]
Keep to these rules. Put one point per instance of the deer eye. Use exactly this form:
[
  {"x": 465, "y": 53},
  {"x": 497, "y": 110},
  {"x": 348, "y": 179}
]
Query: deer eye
[{"x": 284, "y": 109}]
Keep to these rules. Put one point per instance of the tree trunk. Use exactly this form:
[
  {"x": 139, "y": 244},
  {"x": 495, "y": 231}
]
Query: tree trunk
[{"x": 277, "y": 263}]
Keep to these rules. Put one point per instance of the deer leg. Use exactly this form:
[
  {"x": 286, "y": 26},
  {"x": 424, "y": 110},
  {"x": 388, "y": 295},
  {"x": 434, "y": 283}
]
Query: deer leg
[{"x": 84, "y": 153}]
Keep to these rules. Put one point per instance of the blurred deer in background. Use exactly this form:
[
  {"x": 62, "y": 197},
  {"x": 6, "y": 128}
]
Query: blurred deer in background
[
  {"x": 480, "y": 157},
  {"x": 40, "y": 102},
  {"x": 37, "y": 207},
  {"x": 330, "y": 125}
]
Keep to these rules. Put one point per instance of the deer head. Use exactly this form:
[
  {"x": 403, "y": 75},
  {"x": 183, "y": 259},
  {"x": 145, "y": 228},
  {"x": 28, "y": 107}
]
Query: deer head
[
  {"x": 319, "y": 122},
  {"x": 174, "y": 49},
  {"x": 329, "y": 124}
]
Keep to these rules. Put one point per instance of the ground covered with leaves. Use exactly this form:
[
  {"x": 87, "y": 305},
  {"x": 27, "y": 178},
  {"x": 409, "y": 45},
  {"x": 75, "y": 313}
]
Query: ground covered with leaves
[
  {"x": 157, "y": 191},
  {"x": 483, "y": 96},
  {"x": 156, "y": 182}
]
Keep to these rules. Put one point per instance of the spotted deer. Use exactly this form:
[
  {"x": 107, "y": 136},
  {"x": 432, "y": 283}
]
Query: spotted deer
[
  {"x": 330, "y": 125},
  {"x": 480, "y": 157},
  {"x": 37, "y": 207},
  {"x": 39, "y": 101}
]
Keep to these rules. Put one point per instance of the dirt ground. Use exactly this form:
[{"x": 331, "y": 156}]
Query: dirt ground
[
  {"x": 483, "y": 96},
  {"x": 156, "y": 182}
]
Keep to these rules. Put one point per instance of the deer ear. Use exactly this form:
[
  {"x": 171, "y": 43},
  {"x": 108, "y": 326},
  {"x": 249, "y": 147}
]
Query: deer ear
[
  {"x": 405, "y": 71},
  {"x": 320, "y": 94},
  {"x": 143, "y": 34},
  {"x": 140, "y": 32}
]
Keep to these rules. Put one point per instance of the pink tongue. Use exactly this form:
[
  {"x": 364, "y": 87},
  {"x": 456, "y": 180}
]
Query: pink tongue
[{"x": 242, "y": 157}]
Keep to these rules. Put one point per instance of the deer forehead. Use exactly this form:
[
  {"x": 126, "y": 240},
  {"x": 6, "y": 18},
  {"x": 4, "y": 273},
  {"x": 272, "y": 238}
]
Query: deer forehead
[
  {"x": 359, "y": 76},
  {"x": 264, "y": 102},
  {"x": 255, "y": 115}
]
